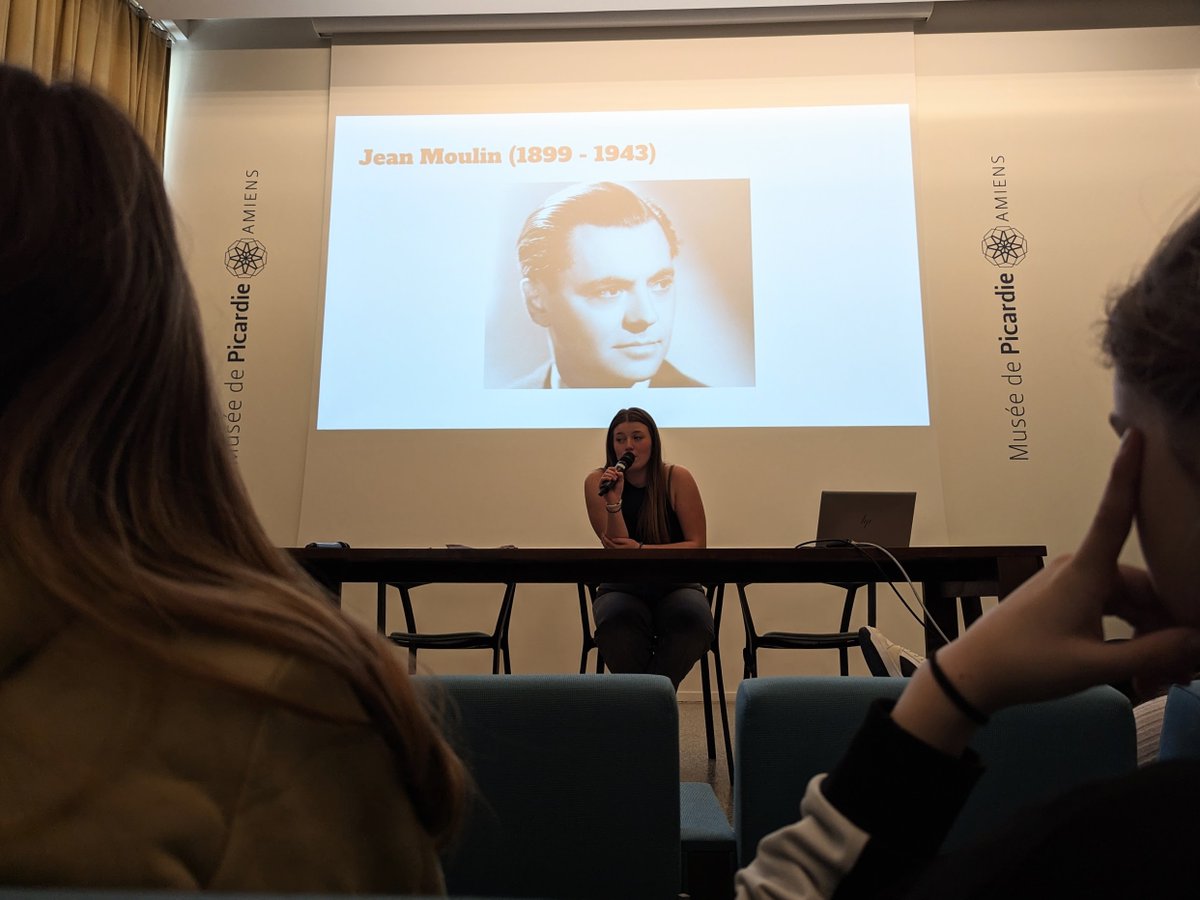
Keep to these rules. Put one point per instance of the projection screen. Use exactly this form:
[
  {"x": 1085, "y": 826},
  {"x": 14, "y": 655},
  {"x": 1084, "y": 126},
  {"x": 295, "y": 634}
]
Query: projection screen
[{"x": 779, "y": 285}]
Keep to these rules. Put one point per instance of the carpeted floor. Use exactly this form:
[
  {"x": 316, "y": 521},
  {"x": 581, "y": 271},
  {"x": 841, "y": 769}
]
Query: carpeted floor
[{"x": 694, "y": 764}]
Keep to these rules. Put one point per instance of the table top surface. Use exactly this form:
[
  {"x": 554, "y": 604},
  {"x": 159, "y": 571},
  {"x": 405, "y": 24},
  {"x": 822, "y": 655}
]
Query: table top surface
[
  {"x": 711, "y": 565},
  {"x": 468, "y": 554}
]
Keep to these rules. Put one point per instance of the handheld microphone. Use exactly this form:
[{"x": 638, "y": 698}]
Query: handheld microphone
[{"x": 622, "y": 464}]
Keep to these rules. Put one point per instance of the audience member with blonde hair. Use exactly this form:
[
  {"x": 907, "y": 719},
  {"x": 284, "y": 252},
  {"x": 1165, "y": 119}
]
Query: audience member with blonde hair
[{"x": 180, "y": 707}]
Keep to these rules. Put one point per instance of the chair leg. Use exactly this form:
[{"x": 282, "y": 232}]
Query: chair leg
[
  {"x": 717, "y": 601},
  {"x": 588, "y": 641},
  {"x": 381, "y": 607},
  {"x": 706, "y": 690},
  {"x": 847, "y": 613},
  {"x": 410, "y": 623},
  {"x": 724, "y": 712},
  {"x": 871, "y": 605},
  {"x": 750, "y": 662},
  {"x": 500, "y": 635},
  {"x": 750, "y": 653}
]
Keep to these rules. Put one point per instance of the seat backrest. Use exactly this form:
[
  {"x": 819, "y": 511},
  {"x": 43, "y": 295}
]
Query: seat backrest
[
  {"x": 790, "y": 729},
  {"x": 578, "y": 785},
  {"x": 1180, "y": 737}
]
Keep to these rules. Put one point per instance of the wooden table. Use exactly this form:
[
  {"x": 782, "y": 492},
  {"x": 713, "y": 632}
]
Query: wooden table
[{"x": 949, "y": 576}]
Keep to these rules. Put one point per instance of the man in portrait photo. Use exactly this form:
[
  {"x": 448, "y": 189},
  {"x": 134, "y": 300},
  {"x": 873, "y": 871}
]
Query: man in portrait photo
[{"x": 598, "y": 274}]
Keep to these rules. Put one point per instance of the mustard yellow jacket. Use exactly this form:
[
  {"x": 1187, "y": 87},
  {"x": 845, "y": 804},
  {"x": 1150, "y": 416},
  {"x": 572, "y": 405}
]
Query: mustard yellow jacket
[{"x": 118, "y": 771}]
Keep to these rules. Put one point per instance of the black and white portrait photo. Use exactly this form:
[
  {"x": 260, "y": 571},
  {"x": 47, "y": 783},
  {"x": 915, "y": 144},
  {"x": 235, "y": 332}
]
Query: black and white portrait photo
[
  {"x": 615, "y": 285},
  {"x": 724, "y": 269}
]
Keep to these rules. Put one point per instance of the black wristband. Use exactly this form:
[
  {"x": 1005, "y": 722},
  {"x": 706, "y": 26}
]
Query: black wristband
[{"x": 962, "y": 703}]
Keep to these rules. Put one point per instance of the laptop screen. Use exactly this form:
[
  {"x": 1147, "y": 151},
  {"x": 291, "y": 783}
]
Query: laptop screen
[{"x": 877, "y": 517}]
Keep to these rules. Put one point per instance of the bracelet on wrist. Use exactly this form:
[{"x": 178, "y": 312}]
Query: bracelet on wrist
[
  {"x": 961, "y": 703},
  {"x": 614, "y": 507}
]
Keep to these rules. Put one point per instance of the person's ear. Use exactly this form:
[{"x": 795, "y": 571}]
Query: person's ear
[{"x": 535, "y": 302}]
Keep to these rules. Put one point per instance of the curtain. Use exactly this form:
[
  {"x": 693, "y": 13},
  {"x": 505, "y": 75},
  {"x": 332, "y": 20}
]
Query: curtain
[{"x": 104, "y": 44}]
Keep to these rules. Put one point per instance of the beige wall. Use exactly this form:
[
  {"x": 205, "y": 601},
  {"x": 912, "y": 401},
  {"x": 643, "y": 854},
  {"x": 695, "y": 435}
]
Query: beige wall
[
  {"x": 1089, "y": 125},
  {"x": 232, "y": 113}
]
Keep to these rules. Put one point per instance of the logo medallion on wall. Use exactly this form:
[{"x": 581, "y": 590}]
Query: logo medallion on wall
[
  {"x": 245, "y": 258},
  {"x": 1004, "y": 247}
]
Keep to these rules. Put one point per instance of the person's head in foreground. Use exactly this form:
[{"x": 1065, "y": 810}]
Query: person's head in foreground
[
  {"x": 181, "y": 706},
  {"x": 1047, "y": 638},
  {"x": 598, "y": 273},
  {"x": 1132, "y": 835},
  {"x": 1153, "y": 339}
]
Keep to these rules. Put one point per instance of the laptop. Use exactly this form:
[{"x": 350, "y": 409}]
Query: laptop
[{"x": 877, "y": 517}]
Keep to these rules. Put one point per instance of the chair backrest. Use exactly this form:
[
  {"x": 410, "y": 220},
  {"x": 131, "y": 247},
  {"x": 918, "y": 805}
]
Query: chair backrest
[
  {"x": 1180, "y": 737},
  {"x": 790, "y": 729},
  {"x": 587, "y": 597},
  {"x": 578, "y": 785},
  {"x": 499, "y": 630}
]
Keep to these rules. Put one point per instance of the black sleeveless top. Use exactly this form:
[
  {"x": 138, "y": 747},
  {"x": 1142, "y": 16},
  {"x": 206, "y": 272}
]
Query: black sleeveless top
[{"x": 632, "y": 499}]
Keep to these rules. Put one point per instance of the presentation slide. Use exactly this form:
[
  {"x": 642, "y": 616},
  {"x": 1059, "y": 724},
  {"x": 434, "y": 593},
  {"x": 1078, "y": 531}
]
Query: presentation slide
[{"x": 751, "y": 267}]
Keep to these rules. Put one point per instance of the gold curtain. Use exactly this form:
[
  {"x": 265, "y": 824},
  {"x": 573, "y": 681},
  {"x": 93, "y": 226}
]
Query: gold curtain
[{"x": 104, "y": 44}]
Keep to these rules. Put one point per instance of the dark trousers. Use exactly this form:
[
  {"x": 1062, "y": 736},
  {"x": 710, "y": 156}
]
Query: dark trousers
[{"x": 660, "y": 629}]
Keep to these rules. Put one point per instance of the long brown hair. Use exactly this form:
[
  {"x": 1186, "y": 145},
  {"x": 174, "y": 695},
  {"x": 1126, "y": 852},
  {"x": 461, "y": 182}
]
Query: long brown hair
[
  {"x": 652, "y": 521},
  {"x": 118, "y": 496},
  {"x": 1152, "y": 334}
]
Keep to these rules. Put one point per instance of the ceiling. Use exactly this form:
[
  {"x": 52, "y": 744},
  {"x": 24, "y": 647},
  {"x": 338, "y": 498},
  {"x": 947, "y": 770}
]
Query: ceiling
[{"x": 216, "y": 24}]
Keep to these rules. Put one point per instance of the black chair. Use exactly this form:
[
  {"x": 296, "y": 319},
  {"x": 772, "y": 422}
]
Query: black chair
[
  {"x": 496, "y": 641},
  {"x": 841, "y": 640},
  {"x": 588, "y": 592},
  {"x": 716, "y": 598}
]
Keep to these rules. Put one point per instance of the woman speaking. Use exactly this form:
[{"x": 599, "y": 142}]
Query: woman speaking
[{"x": 638, "y": 502}]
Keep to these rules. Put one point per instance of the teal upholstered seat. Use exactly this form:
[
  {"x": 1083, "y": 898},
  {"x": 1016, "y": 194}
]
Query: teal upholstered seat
[
  {"x": 578, "y": 785},
  {"x": 1181, "y": 724},
  {"x": 790, "y": 729},
  {"x": 707, "y": 843}
]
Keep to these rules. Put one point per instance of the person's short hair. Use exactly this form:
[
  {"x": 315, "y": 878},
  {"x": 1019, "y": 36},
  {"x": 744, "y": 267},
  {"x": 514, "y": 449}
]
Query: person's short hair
[
  {"x": 1152, "y": 330},
  {"x": 542, "y": 247}
]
